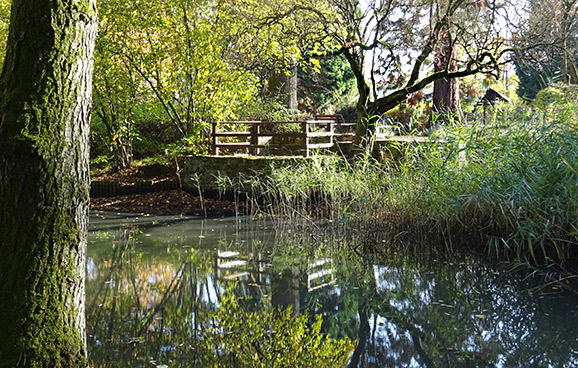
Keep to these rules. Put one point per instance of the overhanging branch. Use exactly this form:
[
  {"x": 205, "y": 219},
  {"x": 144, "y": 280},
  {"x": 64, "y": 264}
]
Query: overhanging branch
[{"x": 383, "y": 104}]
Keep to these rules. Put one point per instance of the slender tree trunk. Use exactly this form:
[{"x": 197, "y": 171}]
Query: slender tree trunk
[
  {"x": 283, "y": 85},
  {"x": 567, "y": 67},
  {"x": 446, "y": 95},
  {"x": 45, "y": 96},
  {"x": 121, "y": 145},
  {"x": 290, "y": 87}
]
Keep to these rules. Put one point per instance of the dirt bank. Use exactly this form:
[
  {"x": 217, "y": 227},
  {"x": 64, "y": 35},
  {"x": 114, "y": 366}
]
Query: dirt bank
[{"x": 174, "y": 202}]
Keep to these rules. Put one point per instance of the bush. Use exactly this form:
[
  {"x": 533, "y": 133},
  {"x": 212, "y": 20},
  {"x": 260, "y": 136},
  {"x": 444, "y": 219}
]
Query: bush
[{"x": 265, "y": 109}]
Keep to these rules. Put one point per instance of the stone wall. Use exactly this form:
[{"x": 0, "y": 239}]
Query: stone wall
[{"x": 211, "y": 173}]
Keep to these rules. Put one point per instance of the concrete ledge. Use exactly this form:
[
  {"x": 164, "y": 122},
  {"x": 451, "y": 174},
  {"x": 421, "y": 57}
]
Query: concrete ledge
[{"x": 211, "y": 172}]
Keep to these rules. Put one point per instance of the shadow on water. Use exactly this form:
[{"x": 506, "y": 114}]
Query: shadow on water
[{"x": 230, "y": 292}]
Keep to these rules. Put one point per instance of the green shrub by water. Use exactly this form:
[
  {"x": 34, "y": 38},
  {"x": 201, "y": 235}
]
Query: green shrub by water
[{"x": 509, "y": 185}]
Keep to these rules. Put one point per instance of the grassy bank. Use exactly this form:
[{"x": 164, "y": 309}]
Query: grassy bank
[{"x": 510, "y": 186}]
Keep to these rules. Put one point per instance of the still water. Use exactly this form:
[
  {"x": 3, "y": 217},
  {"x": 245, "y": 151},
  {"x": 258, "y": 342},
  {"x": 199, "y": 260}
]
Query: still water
[{"x": 187, "y": 292}]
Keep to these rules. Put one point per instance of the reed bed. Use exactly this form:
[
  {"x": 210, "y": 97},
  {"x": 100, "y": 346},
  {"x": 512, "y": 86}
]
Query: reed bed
[{"x": 509, "y": 186}]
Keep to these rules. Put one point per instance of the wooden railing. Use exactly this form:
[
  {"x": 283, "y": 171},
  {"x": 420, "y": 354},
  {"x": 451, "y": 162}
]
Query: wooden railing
[{"x": 274, "y": 137}]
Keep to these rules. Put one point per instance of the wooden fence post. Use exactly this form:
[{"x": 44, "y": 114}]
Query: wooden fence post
[
  {"x": 255, "y": 132},
  {"x": 330, "y": 130},
  {"x": 305, "y": 132},
  {"x": 215, "y": 141}
]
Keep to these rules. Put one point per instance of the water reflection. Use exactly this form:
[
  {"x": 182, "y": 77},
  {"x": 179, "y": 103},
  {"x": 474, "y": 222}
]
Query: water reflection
[{"x": 155, "y": 288}]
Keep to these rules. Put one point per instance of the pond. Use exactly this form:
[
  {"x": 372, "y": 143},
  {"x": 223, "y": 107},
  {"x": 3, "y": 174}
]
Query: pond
[{"x": 188, "y": 292}]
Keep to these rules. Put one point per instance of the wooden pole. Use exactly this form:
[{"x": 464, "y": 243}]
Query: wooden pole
[
  {"x": 255, "y": 131},
  {"x": 214, "y": 137},
  {"x": 305, "y": 132}
]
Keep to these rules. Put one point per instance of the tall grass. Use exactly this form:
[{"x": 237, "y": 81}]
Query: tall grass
[
  {"x": 327, "y": 185},
  {"x": 510, "y": 185}
]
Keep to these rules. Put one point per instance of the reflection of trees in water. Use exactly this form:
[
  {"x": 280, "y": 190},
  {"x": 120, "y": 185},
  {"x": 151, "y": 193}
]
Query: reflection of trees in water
[
  {"x": 455, "y": 315},
  {"x": 142, "y": 309},
  {"x": 402, "y": 314},
  {"x": 177, "y": 311}
]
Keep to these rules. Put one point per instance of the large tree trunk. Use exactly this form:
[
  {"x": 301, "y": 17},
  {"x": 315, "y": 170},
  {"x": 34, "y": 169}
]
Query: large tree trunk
[
  {"x": 364, "y": 126},
  {"x": 446, "y": 94},
  {"x": 45, "y": 95}
]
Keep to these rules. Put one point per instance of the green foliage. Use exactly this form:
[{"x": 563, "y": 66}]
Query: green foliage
[
  {"x": 534, "y": 78},
  {"x": 510, "y": 182},
  {"x": 329, "y": 89},
  {"x": 277, "y": 32},
  {"x": 194, "y": 144},
  {"x": 557, "y": 102},
  {"x": 326, "y": 184},
  {"x": 182, "y": 53},
  {"x": 410, "y": 117},
  {"x": 116, "y": 93},
  {"x": 546, "y": 46},
  {"x": 265, "y": 109}
]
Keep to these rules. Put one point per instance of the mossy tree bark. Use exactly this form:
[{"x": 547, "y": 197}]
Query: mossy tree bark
[{"x": 45, "y": 95}]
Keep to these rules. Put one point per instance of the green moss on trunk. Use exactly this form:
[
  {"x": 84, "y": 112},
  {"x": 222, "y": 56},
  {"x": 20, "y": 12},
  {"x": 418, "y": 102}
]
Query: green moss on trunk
[{"x": 45, "y": 91}]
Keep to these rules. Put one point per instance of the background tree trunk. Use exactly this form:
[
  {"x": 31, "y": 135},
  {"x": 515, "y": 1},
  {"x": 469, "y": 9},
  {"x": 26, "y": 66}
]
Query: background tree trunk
[
  {"x": 363, "y": 128},
  {"x": 282, "y": 85},
  {"x": 446, "y": 94},
  {"x": 290, "y": 87},
  {"x": 45, "y": 95}
]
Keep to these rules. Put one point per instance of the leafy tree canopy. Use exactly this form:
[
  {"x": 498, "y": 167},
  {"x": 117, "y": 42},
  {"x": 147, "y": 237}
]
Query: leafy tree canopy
[
  {"x": 182, "y": 51},
  {"x": 199, "y": 60},
  {"x": 389, "y": 45},
  {"x": 546, "y": 45}
]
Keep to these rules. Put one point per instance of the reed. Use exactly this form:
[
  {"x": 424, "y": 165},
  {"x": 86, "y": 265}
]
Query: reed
[{"x": 509, "y": 186}]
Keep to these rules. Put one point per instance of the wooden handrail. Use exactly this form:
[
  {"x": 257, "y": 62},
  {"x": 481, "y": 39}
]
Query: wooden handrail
[{"x": 256, "y": 132}]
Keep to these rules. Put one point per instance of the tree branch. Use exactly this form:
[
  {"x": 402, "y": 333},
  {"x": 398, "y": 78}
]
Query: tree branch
[{"x": 386, "y": 103}]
